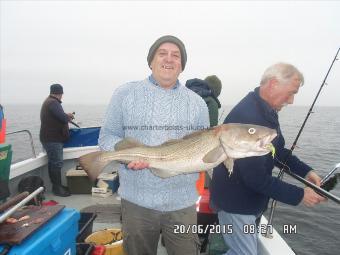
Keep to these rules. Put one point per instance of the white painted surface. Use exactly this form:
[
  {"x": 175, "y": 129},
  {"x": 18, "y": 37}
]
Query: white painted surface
[{"x": 28, "y": 165}]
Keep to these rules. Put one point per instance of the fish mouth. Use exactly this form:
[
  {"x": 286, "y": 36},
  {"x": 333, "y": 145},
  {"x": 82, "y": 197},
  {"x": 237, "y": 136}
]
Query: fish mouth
[
  {"x": 270, "y": 147},
  {"x": 265, "y": 143}
]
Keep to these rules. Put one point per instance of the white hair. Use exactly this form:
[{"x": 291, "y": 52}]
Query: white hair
[{"x": 282, "y": 72}]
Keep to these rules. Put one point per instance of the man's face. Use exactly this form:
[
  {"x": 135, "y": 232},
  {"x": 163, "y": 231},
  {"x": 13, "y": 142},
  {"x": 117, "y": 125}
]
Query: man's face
[
  {"x": 166, "y": 65},
  {"x": 283, "y": 94}
]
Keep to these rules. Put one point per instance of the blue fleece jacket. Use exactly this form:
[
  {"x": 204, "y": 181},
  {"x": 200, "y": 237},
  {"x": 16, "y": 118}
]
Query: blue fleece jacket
[{"x": 248, "y": 189}]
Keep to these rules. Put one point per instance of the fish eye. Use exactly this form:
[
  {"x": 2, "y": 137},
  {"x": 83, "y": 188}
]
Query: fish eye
[{"x": 251, "y": 131}]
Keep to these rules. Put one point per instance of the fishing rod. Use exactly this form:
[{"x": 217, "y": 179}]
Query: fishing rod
[
  {"x": 285, "y": 170},
  {"x": 221, "y": 115},
  {"x": 75, "y": 124},
  {"x": 317, "y": 189}
]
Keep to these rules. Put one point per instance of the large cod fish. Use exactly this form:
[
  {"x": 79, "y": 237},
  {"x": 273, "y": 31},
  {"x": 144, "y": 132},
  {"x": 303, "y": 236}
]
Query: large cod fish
[{"x": 198, "y": 151}]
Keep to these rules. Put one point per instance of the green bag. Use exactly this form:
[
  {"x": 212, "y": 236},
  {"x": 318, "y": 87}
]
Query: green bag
[{"x": 5, "y": 165}]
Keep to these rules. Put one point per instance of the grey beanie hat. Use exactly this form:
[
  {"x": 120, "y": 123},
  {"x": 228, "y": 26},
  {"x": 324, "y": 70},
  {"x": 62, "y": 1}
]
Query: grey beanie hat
[{"x": 170, "y": 39}]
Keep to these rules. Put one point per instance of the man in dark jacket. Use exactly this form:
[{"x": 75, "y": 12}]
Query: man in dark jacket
[
  {"x": 53, "y": 133},
  {"x": 242, "y": 197},
  {"x": 212, "y": 101},
  {"x": 209, "y": 89}
]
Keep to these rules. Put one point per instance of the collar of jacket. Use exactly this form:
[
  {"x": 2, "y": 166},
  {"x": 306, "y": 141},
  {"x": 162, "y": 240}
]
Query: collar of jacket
[
  {"x": 55, "y": 98},
  {"x": 153, "y": 81},
  {"x": 269, "y": 112}
]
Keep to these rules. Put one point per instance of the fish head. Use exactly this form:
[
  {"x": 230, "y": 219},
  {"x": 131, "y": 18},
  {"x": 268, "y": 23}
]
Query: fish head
[{"x": 245, "y": 140}]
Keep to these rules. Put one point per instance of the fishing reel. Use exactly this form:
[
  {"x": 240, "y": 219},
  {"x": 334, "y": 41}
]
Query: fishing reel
[
  {"x": 328, "y": 183},
  {"x": 331, "y": 182}
]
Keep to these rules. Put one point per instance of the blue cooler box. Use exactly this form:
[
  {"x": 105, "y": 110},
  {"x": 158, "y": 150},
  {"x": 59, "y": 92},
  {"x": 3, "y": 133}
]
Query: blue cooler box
[{"x": 56, "y": 237}]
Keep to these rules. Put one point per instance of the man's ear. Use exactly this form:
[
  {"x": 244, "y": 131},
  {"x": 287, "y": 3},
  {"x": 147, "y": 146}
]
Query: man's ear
[{"x": 273, "y": 83}]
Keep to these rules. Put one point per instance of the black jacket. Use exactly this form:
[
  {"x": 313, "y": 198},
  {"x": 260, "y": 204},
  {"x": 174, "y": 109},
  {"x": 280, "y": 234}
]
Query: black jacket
[{"x": 54, "y": 121}]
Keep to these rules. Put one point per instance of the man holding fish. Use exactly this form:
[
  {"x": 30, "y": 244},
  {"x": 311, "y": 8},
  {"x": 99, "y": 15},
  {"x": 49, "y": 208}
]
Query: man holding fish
[{"x": 152, "y": 111}]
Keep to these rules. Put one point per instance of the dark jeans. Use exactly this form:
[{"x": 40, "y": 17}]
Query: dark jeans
[
  {"x": 141, "y": 230},
  {"x": 54, "y": 154}
]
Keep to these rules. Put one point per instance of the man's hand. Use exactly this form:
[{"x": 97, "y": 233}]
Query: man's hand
[
  {"x": 313, "y": 178},
  {"x": 70, "y": 116},
  {"x": 311, "y": 198},
  {"x": 138, "y": 165}
]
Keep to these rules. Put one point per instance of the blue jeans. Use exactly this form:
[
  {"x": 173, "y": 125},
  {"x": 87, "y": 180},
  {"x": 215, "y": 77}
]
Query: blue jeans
[
  {"x": 54, "y": 154},
  {"x": 243, "y": 240}
]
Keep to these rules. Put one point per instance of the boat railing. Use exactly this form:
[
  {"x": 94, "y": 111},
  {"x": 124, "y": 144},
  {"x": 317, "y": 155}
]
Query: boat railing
[{"x": 30, "y": 137}]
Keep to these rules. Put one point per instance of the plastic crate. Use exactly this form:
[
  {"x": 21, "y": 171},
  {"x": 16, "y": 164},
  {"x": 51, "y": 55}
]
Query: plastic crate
[
  {"x": 57, "y": 236},
  {"x": 80, "y": 137},
  {"x": 85, "y": 225},
  {"x": 78, "y": 182}
]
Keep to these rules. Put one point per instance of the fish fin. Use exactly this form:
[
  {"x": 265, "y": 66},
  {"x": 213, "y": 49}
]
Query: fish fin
[
  {"x": 162, "y": 173},
  {"x": 127, "y": 143},
  {"x": 229, "y": 164},
  {"x": 213, "y": 155},
  {"x": 93, "y": 164}
]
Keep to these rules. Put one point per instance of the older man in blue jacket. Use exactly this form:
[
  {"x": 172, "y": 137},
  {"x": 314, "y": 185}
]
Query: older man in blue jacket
[{"x": 242, "y": 197}]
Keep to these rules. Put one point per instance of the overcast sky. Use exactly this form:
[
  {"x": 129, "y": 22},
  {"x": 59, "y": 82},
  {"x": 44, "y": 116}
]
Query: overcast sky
[{"x": 91, "y": 47}]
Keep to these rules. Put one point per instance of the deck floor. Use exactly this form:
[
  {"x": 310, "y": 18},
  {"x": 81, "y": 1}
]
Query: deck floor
[{"x": 83, "y": 201}]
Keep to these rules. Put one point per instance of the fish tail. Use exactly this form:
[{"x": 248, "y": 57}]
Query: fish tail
[{"x": 93, "y": 164}]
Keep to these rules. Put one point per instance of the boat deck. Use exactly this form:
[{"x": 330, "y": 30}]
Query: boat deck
[
  {"x": 105, "y": 208},
  {"x": 82, "y": 201}
]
